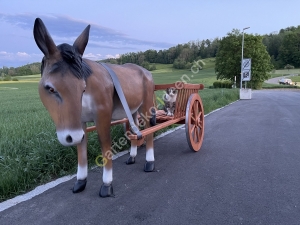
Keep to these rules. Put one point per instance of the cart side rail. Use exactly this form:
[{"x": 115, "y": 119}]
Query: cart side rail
[
  {"x": 178, "y": 85},
  {"x": 184, "y": 92}
]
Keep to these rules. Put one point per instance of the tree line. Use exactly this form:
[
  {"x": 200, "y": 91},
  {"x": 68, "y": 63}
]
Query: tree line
[
  {"x": 29, "y": 69},
  {"x": 181, "y": 55},
  {"x": 283, "y": 48}
]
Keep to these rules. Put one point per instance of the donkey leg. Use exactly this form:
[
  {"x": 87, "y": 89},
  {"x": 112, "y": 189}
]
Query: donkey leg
[
  {"x": 149, "y": 165},
  {"x": 133, "y": 152},
  {"x": 106, "y": 189},
  {"x": 133, "y": 147},
  {"x": 82, "y": 168}
]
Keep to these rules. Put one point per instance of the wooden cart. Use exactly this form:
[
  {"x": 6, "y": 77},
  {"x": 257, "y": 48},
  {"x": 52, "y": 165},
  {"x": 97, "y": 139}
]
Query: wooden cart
[{"x": 188, "y": 110}]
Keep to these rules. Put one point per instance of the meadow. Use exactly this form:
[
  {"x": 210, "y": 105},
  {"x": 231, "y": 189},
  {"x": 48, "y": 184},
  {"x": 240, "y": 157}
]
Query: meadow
[{"x": 30, "y": 153}]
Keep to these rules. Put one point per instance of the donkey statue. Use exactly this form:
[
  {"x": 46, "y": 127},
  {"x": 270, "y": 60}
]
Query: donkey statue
[{"x": 75, "y": 91}]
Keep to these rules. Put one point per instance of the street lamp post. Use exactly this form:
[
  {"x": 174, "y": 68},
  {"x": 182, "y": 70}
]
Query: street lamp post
[{"x": 242, "y": 55}]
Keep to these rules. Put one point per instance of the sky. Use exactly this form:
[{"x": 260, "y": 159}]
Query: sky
[{"x": 122, "y": 26}]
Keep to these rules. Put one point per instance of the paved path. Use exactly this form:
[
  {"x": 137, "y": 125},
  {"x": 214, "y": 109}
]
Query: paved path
[
  {"x": 247, "y": 172},
  {"x": 275, "y": 80}
]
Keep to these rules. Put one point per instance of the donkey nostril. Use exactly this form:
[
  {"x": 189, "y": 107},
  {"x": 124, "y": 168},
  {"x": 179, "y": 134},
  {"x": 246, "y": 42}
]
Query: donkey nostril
[{"x": 69, "y": 139}]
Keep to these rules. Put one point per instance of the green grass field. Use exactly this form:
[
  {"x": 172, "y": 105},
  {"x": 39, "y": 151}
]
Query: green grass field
[
  {"x": 165, "y": 73},
  {"x": 30, "y": 153},
  {"x": 295, "y": 79},
  {"x": 287, "y": 72}
]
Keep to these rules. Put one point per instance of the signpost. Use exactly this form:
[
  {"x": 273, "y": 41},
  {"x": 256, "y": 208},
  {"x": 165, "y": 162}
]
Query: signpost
[
  {"x": 246, "y": 70},
  {"x": 246, "y": 76},
  {"x": 245, "y": 73}
]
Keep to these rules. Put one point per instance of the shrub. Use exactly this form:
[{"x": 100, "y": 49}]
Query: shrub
[
  {"x": 179, "y": 64},
  {"x": 222, "y": 84},
  {"x": 227, "y": 84},
  {"x": 152, "y": 67},
  {"x": 7, "y": 78},
  {"x": 15, "y": 79},
  {"x": 146, "y": 65},
  {"x": 217, "y": 84},
  {"x": 288, "y": 67},
  {"x": 188, "y": 65}
]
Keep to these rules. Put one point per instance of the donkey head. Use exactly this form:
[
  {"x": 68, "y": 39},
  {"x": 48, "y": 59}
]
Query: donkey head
[{"x": 63, "y": 82}]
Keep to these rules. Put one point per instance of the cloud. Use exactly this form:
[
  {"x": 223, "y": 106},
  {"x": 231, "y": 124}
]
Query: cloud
[
  {"x": 64, "y": 28},
  {"x": 23, "y": 54},
  {"x": 14, "y": 59},
  {"x": 112, "y": 56},
  {"x": 92, "y": 56},
  {"x": 6, "y": 55}
]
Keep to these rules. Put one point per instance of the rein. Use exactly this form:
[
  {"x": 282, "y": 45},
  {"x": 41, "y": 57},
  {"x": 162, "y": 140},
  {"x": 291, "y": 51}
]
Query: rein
[{"x": 121, "y": 95}]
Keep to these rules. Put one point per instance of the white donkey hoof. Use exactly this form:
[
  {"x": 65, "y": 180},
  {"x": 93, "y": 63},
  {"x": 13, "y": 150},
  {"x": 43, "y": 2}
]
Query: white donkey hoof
[
  {"x": 149, "y": 166},
  {"x": 106, "y": 190},
  {"x": 79, "y": 186}
]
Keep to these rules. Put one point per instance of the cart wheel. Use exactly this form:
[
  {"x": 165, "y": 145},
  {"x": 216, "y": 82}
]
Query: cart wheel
[{"x": 194, "y": 122}]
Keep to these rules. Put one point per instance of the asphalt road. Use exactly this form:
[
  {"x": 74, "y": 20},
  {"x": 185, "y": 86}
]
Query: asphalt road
[
  {"x": 247, "y": 172},
  {"x": 275, "y": 80}
]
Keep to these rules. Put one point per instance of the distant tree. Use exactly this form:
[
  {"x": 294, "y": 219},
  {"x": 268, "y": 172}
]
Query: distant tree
[
  {"x": 289, "y": 51},
  {"x": 5, "y": 70},
  {"x": 228, "y": 59},
  {"x": 152, "y": 67},
  {"x": 151, "y": 55},
  {"x": 146, "y": 65},
  {"x": 288, "y": 67},
  {"x": 179, "y": 64},
  {"x": 188, "y": 66},
  {"x": 140, "y": 58},
  {"x": 273, "y": 42}
]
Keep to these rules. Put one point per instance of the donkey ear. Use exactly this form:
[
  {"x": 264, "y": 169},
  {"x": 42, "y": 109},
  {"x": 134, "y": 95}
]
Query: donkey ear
[
  {"x": 82, "y": 40},
  {"x": 43, "y": 39}
]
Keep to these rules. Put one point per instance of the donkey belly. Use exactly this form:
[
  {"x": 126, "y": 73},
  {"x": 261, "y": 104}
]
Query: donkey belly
[{"x": 119, "y": 112}]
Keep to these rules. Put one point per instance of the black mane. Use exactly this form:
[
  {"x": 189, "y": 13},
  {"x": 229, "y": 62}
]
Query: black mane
[{"x": 72, "y": 60}]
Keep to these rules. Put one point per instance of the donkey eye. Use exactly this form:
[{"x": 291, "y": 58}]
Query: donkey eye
[{"x": 50, "y": 89}]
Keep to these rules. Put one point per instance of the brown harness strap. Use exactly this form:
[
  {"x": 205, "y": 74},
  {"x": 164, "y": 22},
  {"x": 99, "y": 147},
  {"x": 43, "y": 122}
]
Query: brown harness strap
[{"x": 121, "y": 95}]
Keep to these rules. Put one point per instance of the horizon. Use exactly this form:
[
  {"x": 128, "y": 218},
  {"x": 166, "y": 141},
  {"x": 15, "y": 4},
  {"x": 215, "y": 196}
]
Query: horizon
[{"x": 122, "y": 27}]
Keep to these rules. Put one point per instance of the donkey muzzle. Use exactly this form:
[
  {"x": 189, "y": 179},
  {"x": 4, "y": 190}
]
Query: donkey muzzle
[{"x": 70, "y": 137}]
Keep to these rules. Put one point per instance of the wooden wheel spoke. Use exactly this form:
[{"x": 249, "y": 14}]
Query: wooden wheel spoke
[
  {"x": 200, "y": 125},
  {"x": 195, "y": 109},
  {"x": 192, "y": 129},
  {"x": 199, "y": 114},
  {"x": 193, "y": 119},
  {"x": 196, "y": 135}
]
